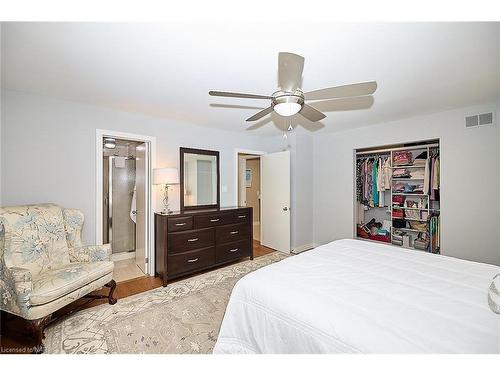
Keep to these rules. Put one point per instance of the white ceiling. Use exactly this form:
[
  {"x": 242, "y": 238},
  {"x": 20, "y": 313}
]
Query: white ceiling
[{"x": 167, "y": 70}]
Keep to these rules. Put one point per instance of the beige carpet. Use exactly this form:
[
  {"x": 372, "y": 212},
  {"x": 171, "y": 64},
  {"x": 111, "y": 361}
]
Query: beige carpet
[{"x": 184, "y": 317}]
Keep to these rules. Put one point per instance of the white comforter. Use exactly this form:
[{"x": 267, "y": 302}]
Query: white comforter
[{"x": 353, "y": 296}]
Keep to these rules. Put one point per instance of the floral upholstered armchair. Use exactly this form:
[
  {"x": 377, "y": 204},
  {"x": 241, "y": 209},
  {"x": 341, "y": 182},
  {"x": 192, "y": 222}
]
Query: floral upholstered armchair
[{"x": 43, "y": 264}]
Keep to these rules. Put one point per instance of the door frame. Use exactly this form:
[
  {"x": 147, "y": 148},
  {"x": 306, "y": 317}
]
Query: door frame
[
  {"x": 151, "y": 199},
  {"x": 238, "y": 151}
]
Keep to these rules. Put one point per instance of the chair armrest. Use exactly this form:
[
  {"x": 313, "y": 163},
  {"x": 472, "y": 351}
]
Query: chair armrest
[
  {"x": 15, "y": 290},
  {"x": 90, "y": 253}
]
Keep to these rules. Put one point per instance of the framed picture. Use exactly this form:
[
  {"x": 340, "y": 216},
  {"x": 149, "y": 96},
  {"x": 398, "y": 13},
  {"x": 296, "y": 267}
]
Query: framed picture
[{"x": 248, "y": 178}]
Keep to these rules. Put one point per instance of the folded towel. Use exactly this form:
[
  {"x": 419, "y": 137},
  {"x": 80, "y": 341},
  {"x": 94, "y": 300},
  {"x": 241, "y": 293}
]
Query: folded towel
[{"x": 120, "y": 162}]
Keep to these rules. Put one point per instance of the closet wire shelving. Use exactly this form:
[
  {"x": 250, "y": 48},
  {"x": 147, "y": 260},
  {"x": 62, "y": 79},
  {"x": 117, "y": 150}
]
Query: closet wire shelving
[{"x": 430, "y": 210}]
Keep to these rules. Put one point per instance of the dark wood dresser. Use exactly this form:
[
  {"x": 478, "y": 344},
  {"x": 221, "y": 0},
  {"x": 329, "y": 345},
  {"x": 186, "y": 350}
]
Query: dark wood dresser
[{"x": 191, "y": 241}]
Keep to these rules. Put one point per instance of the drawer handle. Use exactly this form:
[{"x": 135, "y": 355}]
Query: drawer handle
[
  {"x": 192, "y": 260},
  {"x": 233, "y": 250},
  {"x": 193, "y": 239},
  {"x": 180, "y": 224},
  {"x": 242, "y": 216},
  {"x": 234, "y": 232},
  {"x": 214, "y": 220}
]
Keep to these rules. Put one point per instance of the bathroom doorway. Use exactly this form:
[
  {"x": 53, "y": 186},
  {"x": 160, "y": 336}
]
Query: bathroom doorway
[
  {"x": 249, "y": 187},
  {"x": 125, "y": 201}
]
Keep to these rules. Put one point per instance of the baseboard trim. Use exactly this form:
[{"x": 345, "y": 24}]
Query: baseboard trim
[{"x": 300, "y": 249}]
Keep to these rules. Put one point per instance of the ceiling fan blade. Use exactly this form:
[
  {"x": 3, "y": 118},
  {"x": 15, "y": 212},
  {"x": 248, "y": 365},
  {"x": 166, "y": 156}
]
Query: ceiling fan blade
[
  {"x": 290, "y": 67},
  {"x": 238, "y": 95},
  {"x": 217, "y": 105},
  {"x": 260, "y": 114},
  {"x": 355, "y": 89},
  {"x": 261, "y": 123},
  {"x": 311, "y": 113},
  {"x": 344, "y": 104}
]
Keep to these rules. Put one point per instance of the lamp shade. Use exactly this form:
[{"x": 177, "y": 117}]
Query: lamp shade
[{"x": 168, "y": 176}]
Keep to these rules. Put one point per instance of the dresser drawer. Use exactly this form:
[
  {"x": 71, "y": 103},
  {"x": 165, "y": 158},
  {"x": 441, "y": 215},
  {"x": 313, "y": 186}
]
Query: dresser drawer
[
  {"x": 190, "y": 240},
  {"x": 176, "y": 224},
  {"x": 205, "y": 221},
  {"x": 233, "y": 250},
  {"x": 242, "y": 216},
  {"x": 231, "y": 233},
  {"x": 190, "y": 261}
]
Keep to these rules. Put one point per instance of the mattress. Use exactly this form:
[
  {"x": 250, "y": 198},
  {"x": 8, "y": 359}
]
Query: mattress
[{"x": 351, "y": 296}]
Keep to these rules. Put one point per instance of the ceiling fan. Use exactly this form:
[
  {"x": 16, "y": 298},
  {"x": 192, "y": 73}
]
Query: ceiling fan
[{"x": 289, "y": 99}]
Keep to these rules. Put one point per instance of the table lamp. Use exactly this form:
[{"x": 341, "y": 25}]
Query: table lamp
[{"x": 165, "y": 177}]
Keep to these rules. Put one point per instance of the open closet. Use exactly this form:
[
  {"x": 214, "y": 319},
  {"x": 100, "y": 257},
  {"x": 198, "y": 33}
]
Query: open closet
[{"x": 398, "y": 195}]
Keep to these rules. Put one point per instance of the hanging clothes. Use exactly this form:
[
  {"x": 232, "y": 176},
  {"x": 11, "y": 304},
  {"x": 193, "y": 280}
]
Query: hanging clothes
[
  {"x": 427, "y": 176},
  {"x": 370, "y": 180},
  {"x": 359, "y": 180},
  {"x": 387, "y": 174},
  {"x": 380, "y": 183},
  {"x": 435, "y": 180},
  {"x": 431, "y": 190},
  {"x": 366, "y": 190},
  {"x": 375, "y": 194}
]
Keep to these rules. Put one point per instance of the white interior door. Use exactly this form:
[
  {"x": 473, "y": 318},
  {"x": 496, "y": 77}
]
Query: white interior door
[
  {"x": 275, "y": 201},
  {"x": 242, "y": 166},
  {"x": 141, "y": 179}
]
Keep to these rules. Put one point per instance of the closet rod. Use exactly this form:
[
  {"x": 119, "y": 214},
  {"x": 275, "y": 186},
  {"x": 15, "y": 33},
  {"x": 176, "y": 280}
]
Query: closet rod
[{"x": 396, "y": 149}]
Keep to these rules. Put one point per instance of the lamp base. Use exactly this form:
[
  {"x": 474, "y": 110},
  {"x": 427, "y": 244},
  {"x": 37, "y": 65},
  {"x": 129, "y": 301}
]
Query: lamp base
[{"x": 166, "y": 209}]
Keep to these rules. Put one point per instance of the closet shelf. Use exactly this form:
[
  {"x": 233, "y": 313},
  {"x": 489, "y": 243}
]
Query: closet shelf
[
  {"x": 411, "y": 208},
  {"x": 406, "y": 179},
  {"x": 408, "y": 208},
  {"x": 409, "y": 230},
  {"x": 410, "y": 194},
  {"x": 408, "y": 166},
  {"x": 409, "y": 219}
]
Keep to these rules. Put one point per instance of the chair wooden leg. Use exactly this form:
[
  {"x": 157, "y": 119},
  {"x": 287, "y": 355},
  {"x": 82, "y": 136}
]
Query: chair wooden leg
[
  {"x": 3, "y": 322},
  {"x": 36, "y": 328},
  {"x": 112, "y": 286}
]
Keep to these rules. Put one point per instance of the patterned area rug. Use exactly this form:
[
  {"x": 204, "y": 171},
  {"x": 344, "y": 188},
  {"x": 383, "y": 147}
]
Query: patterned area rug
[{"x": 183, "y": 317}]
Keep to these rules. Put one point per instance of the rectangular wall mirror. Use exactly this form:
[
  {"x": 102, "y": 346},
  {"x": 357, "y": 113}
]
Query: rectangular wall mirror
[{"x": 199, "y": 177}]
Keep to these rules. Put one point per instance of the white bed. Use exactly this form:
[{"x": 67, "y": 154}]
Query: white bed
[{"x": 351, "y": 296}]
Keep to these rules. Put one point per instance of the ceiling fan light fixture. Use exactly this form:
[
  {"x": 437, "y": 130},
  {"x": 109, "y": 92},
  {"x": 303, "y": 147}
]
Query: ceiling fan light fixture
[
  {"x": 287, "y": 104},
  {"x": 287, "y": 109}
]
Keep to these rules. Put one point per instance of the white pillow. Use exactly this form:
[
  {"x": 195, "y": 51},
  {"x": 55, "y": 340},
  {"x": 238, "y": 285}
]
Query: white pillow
[{"x": 494, "y": 295}]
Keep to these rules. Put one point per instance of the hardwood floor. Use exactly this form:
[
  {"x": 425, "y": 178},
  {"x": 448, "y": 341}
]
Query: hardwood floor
[
  {"x": 259, "y": 250},
  {"x": 14, "y": 338}
]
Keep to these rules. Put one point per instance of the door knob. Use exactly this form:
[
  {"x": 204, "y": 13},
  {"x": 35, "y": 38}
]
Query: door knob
[{"x": 285, "y": 208}]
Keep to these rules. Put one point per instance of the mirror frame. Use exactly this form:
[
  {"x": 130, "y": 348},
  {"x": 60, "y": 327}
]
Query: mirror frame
[{"x": 186, "y": 150}]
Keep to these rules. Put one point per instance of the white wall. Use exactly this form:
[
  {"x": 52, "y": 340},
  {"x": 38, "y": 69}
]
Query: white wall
[
  {"x": 48, "y": 150},
  {"x": 470, "y": 179},
  {"x": 301, "y": 158}
]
